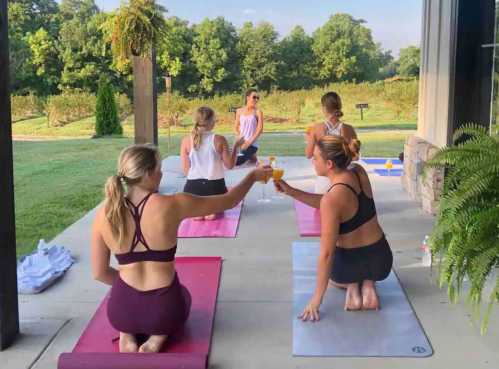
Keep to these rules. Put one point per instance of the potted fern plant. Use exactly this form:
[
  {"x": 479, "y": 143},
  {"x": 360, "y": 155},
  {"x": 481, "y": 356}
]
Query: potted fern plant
[{"x": 466, "y": 233}]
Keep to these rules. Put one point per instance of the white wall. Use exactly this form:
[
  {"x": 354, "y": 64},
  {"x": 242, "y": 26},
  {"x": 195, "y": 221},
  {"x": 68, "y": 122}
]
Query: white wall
[{"x": 437, "y": 64}]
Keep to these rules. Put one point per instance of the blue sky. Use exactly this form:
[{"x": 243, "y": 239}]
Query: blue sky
[{"x": 394, "y": 23}]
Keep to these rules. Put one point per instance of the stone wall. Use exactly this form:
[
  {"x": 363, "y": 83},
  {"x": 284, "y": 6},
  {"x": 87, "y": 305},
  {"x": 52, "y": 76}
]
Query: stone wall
[{"x": 424, "y": 188}]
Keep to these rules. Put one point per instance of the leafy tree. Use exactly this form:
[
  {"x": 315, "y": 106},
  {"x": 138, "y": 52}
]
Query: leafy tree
[
  {"x": 45, "y": 59},
  {"x": 106, "y": 113},
  {"x": 296, "y": 56},
  {"x": 27, "y": 17},
  {"x": 214, "y": 53},
  {"x": 409, "y": 61},
  {"x": 345, "y": 50},
  {"x": 174, "y": 54},
  {"x": 258, "y": 49},
  {"x": 84, "y": 53},
  {"x": 388, "y": 67}
]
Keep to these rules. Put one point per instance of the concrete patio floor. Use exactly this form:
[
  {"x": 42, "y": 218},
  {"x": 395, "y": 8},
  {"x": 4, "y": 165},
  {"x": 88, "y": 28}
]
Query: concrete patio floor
[{"x": 253, "y": 323}]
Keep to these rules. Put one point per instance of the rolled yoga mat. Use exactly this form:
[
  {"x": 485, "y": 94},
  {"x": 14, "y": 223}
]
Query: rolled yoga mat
[
  {"x": 393, "y": 331},
  {"x": 374, "y": 161},
  {"x": 188, "y": 349},
  {"x": 308, "y": 218},
  {"x": 223, "y": 227},
  {"x": 394, "y": 172}
]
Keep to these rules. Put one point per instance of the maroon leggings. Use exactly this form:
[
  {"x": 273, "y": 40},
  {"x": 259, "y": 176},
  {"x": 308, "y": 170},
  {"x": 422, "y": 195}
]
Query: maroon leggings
[{"x": 155, "y": 312}]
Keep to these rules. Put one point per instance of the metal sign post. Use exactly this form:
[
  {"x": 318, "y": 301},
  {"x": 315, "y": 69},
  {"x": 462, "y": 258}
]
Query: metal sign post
[{"x": 362, "y": 106}]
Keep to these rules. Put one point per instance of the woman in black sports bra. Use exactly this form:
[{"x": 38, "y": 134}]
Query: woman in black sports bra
[
  {"x": 354, "y": 253},
  {"x": 139, "y": 226}
]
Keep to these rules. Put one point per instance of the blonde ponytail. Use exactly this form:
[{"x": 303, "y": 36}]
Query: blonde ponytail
[
  {"x": 204, "y": 117},
  {"x": 116, "y": 206},
  {"x": 134, "y": 163},
  {"x": 196, "y": 136},
  {"x": 354, "y": 146}
]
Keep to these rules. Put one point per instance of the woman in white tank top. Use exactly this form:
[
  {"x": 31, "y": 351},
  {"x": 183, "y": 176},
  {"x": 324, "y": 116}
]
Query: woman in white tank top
[
  {"x": 249, "y": 126},
  {"x": 205, "y": 156},
  {"x": 331, "y": 108}
]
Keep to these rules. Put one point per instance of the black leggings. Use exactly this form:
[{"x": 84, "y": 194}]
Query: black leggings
[
  {"x": 246, "y": 155},
  {"x": 354, "y": 265},
  {"x": 205, "y": 187}
]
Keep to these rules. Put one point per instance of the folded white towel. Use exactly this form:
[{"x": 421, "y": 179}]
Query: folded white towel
[{"x": 42, "y": 268}]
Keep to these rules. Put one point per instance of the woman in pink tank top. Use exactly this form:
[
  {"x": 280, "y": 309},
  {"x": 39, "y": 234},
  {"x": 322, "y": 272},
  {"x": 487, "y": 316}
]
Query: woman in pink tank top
[{"x": 249, "y": 126}]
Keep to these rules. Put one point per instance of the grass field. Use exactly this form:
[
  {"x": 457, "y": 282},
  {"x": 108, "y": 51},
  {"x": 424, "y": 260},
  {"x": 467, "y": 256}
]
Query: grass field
[{"x": 57, "y": 182}]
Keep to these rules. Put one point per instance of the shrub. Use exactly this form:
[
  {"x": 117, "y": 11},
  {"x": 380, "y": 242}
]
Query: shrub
[
  {"x": 26, "y": 107},
  {"x": 171, "y": 109},
  {"x": 106, "y": 113},
  {"x": 69, "y": 107},
  {"x": 124, "y": 106}
]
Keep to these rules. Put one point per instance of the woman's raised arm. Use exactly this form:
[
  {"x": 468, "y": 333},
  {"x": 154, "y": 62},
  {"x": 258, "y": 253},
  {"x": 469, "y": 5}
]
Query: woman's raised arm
[{"x": 194, "y": 206}]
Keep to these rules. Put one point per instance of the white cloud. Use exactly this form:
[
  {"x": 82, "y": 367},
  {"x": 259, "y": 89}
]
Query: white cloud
[{"x": 249, "y": 11}]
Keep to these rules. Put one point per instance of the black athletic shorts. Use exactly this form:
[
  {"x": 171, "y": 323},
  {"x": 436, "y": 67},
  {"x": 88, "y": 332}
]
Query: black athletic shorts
[
  {"x": 354, "y": 265},
  {"x": 205, "y": 187}
]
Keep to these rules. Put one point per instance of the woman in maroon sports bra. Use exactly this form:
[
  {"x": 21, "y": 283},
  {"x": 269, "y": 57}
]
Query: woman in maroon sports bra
[{"x": 139, "y": 226}]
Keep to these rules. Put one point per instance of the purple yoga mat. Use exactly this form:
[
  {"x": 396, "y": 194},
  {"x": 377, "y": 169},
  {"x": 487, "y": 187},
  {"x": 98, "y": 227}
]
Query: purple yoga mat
[
  {"x": 131, "y": 361},
  {"x": 309, "y": 219},
  {"x": 189, "y": 348},
  {"x": 225, "y": 226}
]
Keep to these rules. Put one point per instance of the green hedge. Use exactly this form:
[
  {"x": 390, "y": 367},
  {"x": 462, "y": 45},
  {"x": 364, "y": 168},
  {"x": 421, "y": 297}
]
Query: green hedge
[
  {"x": 69, "y": 107},
  {"x": 26, "y": 107}
]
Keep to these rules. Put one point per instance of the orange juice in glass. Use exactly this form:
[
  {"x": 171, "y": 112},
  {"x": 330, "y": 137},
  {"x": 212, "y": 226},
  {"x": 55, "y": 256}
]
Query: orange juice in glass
[
  {"x": 277, "y": 174},
  {"x": 388, "y": 164},
  {"x": 272, "y": 160}
]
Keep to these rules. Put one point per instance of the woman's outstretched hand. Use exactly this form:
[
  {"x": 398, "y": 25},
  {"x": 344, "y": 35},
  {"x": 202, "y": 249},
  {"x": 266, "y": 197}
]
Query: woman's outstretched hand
[
  {"x": 311, "y": 311},
  {"x": 263, "y": 173},
  {"x": 283, "y": 187}
]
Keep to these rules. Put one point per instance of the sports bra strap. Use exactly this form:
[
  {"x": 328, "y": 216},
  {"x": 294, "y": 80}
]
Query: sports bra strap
[
  {"x": 344, "y": 184},
  {"x": 137, "y": 211}
]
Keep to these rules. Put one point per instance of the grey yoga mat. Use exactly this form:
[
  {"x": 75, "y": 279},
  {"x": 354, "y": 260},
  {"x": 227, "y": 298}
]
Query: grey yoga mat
[{"x": 393, "y": 331}]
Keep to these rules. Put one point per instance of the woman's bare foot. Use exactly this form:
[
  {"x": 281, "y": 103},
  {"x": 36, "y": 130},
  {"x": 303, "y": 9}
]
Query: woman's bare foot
[
  {"x": 332, "y": 284},
  {"x": 128, "y": 343},
  {"x": 353, "y": 300},
  {"x": 198, "y": 218},
  {"x": 211, "y": 217},
  {"x": 370, "y": 299},
  {"x": 153, "y": 344}
]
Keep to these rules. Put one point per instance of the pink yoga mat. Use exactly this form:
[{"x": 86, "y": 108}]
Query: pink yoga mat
[
  {"x": 188, "y": 349},
  {"x": 309, "y": 219},
  {"x": 224, "y": 227}
]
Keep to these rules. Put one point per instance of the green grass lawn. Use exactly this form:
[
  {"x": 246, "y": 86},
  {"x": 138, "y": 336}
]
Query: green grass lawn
[{"x": 58, "y": 181}]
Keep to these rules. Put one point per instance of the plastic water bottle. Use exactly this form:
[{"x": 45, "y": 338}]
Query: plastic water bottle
[{"x": 425, "y": 248}]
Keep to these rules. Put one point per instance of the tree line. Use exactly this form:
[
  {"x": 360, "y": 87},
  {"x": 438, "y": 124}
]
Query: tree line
[{"x": 67, "y": 46}]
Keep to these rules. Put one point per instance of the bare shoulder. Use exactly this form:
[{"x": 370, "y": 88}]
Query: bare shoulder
[
  {"x": 349, "y": 131},
  {"x": 220, "y": 139},
  {"x": 100, "y": 217},
  {"x": 336, "y": 196}
]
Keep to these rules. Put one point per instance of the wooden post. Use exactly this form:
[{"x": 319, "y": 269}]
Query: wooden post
[
  {"x": 168, "y": 87},
  {"x": 145, "y": 99},
  {"x": 9, "y": 311}
]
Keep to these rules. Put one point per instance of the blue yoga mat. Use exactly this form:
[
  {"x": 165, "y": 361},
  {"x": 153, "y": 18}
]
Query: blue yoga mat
[
  {"x": 393, "y": 331},
  {"x": 394, "y": 172},
  {"x": 381, "y": 161}
]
